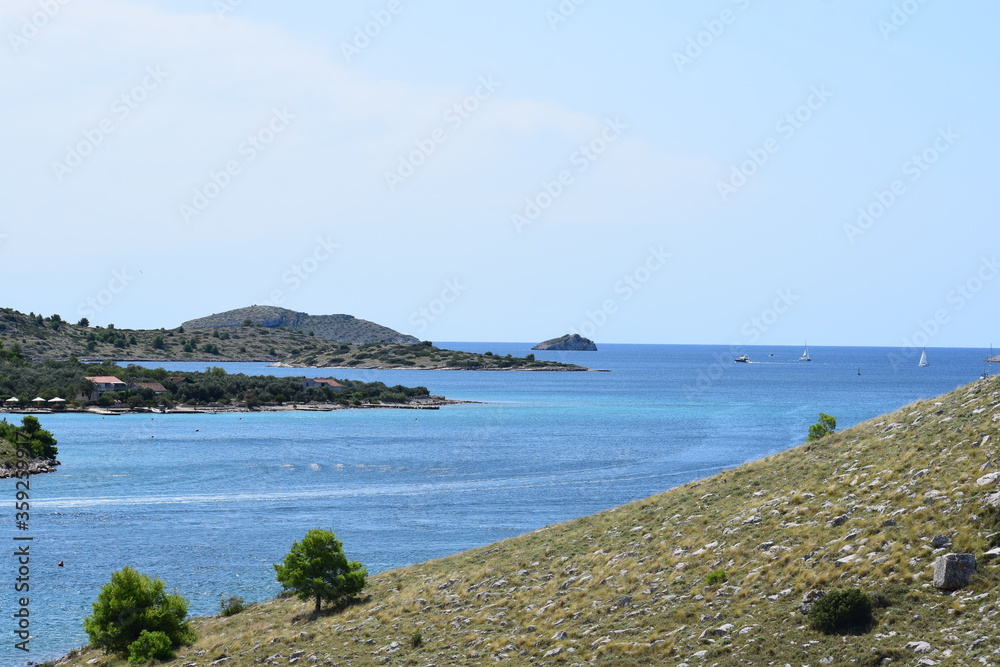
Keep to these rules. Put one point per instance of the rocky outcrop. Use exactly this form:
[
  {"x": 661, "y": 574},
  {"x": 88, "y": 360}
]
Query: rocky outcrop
[
  {"x": 569, "y": 342},
  {"x": 34, "y": 468},
  {"x": 953, "y": 571}
]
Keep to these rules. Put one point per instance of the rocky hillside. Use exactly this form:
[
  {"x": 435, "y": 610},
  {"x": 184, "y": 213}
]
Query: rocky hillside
[
  {"x": 341, "y": 328},
  {"x": 42, "y": 338},
  {"x": 871, "y": 507}
]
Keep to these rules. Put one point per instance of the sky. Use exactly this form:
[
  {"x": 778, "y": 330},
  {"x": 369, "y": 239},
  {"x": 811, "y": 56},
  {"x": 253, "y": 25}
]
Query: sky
[{"x": 725, "y": 172}]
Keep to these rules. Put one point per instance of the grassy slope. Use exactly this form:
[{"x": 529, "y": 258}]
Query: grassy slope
[
  {"x": 627, "y": 586},
  {"x": 294, "y": 348}
]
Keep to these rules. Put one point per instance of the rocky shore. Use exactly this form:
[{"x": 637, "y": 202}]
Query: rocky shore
[{"x": 35, "y": 467}]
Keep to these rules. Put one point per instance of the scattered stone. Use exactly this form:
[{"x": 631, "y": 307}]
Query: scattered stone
[
  {"x": 809, "y": 599},
  {"x": 919, "y": 647},
  {"x": 553, "y": 652},
  {"x": 940, "y": 541},
  {"x": 988, "y": 480},
  {"x": 723, "y": 630},
  {"x": 889, "y": 523},
  {"x": 559, "y": 636},
  {"x": 953, "y": 571},
  {"x": 992, "y": 500},
  {"x": 839, "y": 520},
  {"x": 991, "y": 554}
]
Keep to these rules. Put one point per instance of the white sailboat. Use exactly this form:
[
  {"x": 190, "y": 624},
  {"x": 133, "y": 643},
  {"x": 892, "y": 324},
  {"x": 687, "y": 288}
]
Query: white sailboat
[
  {"x": 923, "y": 358},
  {"x": 805, "y": 354}
]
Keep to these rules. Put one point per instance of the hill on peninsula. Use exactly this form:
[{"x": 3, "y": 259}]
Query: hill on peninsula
[
  {"x": 341, "y": 328},
  {"x": 41, "y": 338},
  {"x": 713, "y": 572}
]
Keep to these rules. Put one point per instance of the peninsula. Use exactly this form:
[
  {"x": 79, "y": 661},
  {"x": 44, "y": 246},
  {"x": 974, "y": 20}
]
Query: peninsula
[{"x": 262, "y": 336}]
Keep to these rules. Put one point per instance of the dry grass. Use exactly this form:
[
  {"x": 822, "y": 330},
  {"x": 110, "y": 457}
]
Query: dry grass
[{"x": 627, "y": 586}]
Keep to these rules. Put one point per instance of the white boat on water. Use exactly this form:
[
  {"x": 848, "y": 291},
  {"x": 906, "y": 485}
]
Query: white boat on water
[
  {"x": 923, "y": 359},
  {"x": 745, "y": 359},
  {"x": 805, "y": 354}
]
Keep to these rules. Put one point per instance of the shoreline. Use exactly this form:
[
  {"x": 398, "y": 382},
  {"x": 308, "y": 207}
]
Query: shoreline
[{"x": 422, "y": 403}]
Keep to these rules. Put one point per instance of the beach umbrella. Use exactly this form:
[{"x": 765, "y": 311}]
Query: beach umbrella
[
  {"x": 38, "y": 399},
  {"x": 57, "y": 400},
  {"x": 13, "y": 400}
]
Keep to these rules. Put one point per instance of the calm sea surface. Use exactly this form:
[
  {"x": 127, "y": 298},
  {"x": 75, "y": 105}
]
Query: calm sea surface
[{"x": 208, "y": 502}]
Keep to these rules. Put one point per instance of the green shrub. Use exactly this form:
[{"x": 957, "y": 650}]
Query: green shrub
[
  {"x": 131, "y": 604},
  {"x": 842, "y": 611},
  {"x": 231, "y": 606},
  {"x": 716, "y": 577},
  {"x": 150, "y": 645},
  {"x": 417, "y": 640},
  {"x": 825, "y": 426}
]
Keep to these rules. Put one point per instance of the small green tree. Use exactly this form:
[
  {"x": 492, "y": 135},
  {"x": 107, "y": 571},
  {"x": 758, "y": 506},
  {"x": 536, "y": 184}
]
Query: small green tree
[
  {"x": 130, "y": 604},
  {"x": 317, "y": 568},
  {"x": 824, "y": 426}
]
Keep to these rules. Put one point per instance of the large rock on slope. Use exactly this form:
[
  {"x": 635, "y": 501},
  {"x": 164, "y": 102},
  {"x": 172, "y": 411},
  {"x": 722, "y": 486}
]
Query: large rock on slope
[
  {"x": 570, "y": 342},
  {"x": 341, "y": 328},
  {"x": 953, "y": 571}
]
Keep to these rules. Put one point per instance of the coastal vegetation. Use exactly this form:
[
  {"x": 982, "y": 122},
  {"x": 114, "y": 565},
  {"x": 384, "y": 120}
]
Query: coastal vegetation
[
  {"x": 36, "y": 337},
  {"x": 29, "y": 435},
  {"x": 869, "y": 508},
  {"x": 135, "y": 618},
  {"x": 67, "y": 379}
]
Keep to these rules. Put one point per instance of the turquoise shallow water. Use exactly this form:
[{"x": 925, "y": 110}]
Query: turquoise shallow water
[{"x": 209, "y": 502}]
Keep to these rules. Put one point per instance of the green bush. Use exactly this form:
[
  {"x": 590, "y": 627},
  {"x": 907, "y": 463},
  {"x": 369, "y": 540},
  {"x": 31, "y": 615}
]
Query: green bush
[
  {"x": 825, "y": 426},
  {"x": 150, "y": 645},
  {"x": 231, "y": 606},
  {"x": 130, "y": 604},
  {"x": 417, "y": 640},
  {"x": 842, "y": 611},
  {"x": 716, "y": 577}
]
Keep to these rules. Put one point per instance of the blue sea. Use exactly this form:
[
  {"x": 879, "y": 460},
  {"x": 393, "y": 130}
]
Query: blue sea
[{"x": 208, "y": 502}]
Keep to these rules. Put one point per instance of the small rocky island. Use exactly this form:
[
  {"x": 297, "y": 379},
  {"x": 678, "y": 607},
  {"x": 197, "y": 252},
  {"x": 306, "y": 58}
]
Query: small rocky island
[{"x": 570, "y": 342}]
